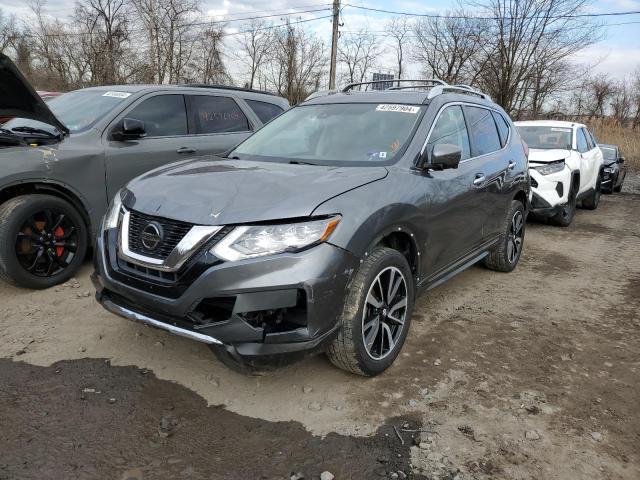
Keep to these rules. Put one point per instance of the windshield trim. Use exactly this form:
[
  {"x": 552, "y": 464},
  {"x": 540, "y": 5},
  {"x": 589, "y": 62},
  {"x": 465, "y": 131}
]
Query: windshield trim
[{"x": 333, "y": 163}]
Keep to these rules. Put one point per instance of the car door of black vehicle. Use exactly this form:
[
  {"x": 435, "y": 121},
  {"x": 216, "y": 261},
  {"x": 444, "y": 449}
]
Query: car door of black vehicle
[
  {"x": 454, "y": 211},
  {"x": 492, "y": 167},
  {"x": 218, "y": 123},
  {"x": 166, "y": 139}
]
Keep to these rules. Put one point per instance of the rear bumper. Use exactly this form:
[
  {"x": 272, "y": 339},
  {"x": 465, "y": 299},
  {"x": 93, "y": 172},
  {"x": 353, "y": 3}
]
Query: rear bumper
[{"x": 272, "y": 305}]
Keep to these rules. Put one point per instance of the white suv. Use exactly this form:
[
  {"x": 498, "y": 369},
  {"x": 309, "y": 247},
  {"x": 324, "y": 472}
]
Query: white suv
[{"x": 565, "y": 165}]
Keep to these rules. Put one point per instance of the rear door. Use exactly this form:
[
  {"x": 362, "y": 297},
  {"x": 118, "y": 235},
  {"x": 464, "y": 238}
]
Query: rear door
[
  {"x": 218, "y": 123},
  {"x": 167, "y": 140},
  {"x": 453, "y": 210}
]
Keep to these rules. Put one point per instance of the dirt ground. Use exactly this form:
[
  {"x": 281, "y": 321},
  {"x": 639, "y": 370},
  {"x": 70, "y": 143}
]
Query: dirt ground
[{"x": 528, "y": 375}]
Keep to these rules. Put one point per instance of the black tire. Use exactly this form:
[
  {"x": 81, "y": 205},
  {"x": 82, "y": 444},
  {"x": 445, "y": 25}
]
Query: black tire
[
  {"x": 618, "y": 189},
  {"x": 501, "y": 257},
  {"x": 14, "y": 215},
  {"x": 565, "y": 217},
  {"x": 348, "y": 351},
  {"x": 593, "y": 200}
]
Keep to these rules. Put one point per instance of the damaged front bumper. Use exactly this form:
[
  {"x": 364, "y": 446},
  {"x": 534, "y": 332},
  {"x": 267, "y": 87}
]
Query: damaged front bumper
[{"x": 253, "y": 308}]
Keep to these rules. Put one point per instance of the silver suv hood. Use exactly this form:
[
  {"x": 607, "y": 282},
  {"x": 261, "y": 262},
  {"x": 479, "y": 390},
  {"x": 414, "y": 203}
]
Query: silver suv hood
[{"x": 19, "y": 99}]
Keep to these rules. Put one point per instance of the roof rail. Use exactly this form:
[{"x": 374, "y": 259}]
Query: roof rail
[
  {"x": 321, "y": 93},
  {"x": 227, "y": 87},
  {"x": 433, "y": 81},
  {"x": 464, "y": 89}
]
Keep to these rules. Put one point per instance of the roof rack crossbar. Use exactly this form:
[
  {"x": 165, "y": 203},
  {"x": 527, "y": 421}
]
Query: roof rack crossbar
[{"x": 351, "y": 86}]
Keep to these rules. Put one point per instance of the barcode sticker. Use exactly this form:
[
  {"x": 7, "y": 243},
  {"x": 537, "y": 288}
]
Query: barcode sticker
[{"x": 394, "y": 107}]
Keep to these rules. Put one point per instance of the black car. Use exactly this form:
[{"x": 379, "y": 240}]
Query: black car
[
  {"x": 319, "y": 231},
  {"x": 614, "y": 168}
]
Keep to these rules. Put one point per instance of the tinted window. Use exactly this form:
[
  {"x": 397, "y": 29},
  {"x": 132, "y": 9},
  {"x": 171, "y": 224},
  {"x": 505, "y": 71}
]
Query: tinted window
[
  {"x": 265, "y": 111},
  {"x": 451, "y": 128},
  {"x": 163, "y": 115},
  {"x": 483, "y": 131},
  {"x": 581, "y": 141},
  {"x": 503, "y": 128},
  {"x": 217, "y": 115}
]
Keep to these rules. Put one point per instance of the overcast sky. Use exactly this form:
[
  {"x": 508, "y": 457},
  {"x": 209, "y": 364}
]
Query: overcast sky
[{"x": 618, "y": 54}]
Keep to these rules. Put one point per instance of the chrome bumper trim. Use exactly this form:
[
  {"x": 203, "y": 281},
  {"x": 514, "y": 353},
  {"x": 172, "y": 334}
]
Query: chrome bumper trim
[{"x": 138, "y": 317}]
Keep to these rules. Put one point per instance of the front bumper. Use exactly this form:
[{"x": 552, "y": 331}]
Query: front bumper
[
  {"x": 550, "y": 192},
  {"x": 254, "y": 308}
]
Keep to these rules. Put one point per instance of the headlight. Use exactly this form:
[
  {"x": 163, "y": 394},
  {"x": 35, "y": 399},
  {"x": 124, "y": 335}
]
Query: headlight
[
  {"x": 610, "y": 170},
  {"x": 113, "y": 213},
  {"x": 258, "y": 240},
  {"x": 550, "y": 168}
]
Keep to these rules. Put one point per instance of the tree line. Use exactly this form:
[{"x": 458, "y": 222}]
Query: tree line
[{"x": 520, "y": 52}]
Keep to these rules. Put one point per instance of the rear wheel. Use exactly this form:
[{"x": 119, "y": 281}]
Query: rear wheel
[
  {"x": 565, "y": 216},
  {"x": 504, "y": 255},
  {"x": 376, "y": 315},
  {"x": 43, "y": 241},
  {"x": 592, "y": 201}
]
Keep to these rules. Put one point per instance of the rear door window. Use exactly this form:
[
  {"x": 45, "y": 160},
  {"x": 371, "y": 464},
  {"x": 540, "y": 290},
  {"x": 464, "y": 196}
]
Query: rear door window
[
  {"x": 451, "y": 128},
  {"x": 163, "y": 115},
  {"x": 264, "y": 111},
  {"x": 503, "y": 128},
  {"x": 217, "y": 114},
  {"x": 483, "y": 131}
]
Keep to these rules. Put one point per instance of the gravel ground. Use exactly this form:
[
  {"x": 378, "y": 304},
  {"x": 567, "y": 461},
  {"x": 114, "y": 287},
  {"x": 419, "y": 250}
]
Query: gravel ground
[{"x": 528, "y": 375}]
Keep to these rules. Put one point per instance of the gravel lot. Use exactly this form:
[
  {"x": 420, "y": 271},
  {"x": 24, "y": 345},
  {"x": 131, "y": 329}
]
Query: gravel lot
[{"x": 529, "y": 375}]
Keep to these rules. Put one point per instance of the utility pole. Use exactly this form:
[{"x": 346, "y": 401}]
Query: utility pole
[{"x": 334, "y": 44}]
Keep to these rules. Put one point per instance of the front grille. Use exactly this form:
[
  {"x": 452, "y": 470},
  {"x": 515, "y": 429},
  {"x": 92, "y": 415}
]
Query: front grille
[{"x": 173, "y": 232}]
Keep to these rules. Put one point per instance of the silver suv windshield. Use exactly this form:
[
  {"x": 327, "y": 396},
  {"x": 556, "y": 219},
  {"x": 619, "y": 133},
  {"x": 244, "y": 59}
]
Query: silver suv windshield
[
  {"x": 330, "y": 134},
  {"x": 78, "y": 110},
  {"x": 546, "y": 137}
]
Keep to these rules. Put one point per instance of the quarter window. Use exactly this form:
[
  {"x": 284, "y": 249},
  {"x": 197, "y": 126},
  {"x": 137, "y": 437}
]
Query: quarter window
[
  {"x": 483, "y": 131},
  {"x": 451, "y": 128},
  {"x": 581, "y": 141},
  {"x": 217, "y": 115},
  {"x": 264, "y": 111},
  {"x": 163, "y": 115},
  {"x": 503, "y": 128}
]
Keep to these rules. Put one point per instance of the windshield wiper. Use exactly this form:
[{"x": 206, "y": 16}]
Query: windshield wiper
[{"x": 39, "y": 131}]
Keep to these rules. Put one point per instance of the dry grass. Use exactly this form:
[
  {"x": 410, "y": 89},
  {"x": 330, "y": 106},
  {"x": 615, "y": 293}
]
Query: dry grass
[{"x": 627, "y": 139}]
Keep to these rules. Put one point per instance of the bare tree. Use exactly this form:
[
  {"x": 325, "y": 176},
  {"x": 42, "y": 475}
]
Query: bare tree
[
  {"x": 635, "y": 95},
  {"x": 622, "y": 102},
  {"x": 209, "y": 65},
  {"x": 8, "y": 31},
  {"x": 399, "y": 29},
  {"x": 358, "y": 53},
  {"x": 600, "y": 89},
  {"x": 256, "y": 45}
]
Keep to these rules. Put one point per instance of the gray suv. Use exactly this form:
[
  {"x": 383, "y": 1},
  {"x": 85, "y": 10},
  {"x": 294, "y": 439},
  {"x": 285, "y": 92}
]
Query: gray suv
[
  {"x": 319, "y": 231},
  {"x": 60, "y": 163}
]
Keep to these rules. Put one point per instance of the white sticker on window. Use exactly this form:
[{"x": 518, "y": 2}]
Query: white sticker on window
[
  {"x": 116, "y": 94},
  {"x": 394, "y": 107},
  {"x": 382, "y": 155},
  {"x": 556, "y": 129}
]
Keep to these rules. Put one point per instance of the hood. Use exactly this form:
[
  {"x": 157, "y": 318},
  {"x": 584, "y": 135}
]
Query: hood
[
  {"x": 547, "y": 156},
  {"x": 217, "y": 191},
  {"x": 19, "y": 99}
]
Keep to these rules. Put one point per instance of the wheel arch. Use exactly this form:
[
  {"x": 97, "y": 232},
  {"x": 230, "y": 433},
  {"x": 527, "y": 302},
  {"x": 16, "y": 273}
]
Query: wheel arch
[{"x": 403, "y": 240}]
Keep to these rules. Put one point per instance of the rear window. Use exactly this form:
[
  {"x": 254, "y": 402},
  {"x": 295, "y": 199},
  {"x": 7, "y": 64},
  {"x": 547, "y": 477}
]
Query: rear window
[
  {"x": 544, "y": 137},
  {"x": 263, "y": 110},
  {"x": 482, "y": 130},
  {"x": 503, "y": 128},
  {"x": 217, "y": 115}
]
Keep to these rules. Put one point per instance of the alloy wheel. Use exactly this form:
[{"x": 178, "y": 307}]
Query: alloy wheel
[
  {"x": 46, "y": 243},
  {"x": 516, "y": 233},
  {"x": 384, "y": 313}
]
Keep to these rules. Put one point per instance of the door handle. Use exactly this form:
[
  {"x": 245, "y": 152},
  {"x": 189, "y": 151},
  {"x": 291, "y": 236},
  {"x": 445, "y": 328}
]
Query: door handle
[
  {"x": 479, "y": 180},
  {"x": 512, "y": 165},
  {"x": 186, "y": 150}
]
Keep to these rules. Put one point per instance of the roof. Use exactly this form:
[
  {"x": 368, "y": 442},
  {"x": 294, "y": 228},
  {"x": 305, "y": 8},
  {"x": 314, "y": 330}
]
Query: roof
[
  {"x": 549, "y": 123},
  {"x": 391, "y": 96}
]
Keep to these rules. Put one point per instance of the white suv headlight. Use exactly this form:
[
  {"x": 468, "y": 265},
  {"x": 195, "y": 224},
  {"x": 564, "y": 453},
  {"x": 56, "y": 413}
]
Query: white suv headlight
[
  {"x": 112, "y": 216},
  {"x": 258, "y": 240},
  {"x": 550, "y": 168}
]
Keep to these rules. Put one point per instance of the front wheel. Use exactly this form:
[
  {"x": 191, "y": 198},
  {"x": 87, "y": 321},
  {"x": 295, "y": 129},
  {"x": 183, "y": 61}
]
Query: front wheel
[
  {"x": 504, "y": 255},
  {"x": 376, "y": 315},
  {"x": 565, "y": 216},
  {"x": 43, "y": 240}
]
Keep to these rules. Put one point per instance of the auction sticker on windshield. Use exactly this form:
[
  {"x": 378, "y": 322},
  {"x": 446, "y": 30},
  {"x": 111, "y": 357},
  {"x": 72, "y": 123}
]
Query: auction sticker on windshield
[
  {"x": 116, "y": 94},
  {"x": 393, "y": 107}
]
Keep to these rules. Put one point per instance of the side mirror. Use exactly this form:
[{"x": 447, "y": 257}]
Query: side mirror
[
  {"x": 132, "y": 129},
  {"x": 621, "y": 160},
  {"x": 445, "y": 155}
]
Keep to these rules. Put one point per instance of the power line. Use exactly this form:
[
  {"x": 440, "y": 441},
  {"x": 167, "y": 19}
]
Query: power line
[
  {"x": 468, "y": 17},
  {"x": 270, "y": 27}
]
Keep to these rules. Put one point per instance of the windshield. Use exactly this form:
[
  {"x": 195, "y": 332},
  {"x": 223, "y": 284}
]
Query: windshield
[
  {"x": 545, "y": 137},
  {"x": 77, "y": 110},
  {"x": 608, "y": 153},
  {"x": 361, "y": 133}
]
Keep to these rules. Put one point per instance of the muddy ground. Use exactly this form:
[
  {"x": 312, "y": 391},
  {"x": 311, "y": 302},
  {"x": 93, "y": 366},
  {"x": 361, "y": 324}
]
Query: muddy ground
[{"x": 529, "y": 375}]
